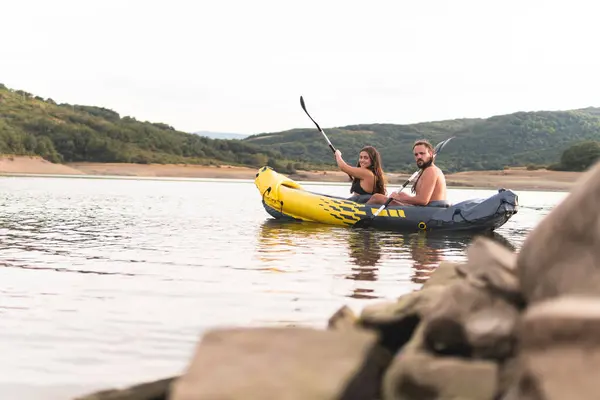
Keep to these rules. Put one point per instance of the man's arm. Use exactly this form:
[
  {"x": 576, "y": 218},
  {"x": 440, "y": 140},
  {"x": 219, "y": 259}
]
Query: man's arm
[{"x": 422, "y": 198}]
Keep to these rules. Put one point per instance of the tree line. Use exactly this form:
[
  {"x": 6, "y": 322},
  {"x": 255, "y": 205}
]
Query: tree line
[
  {"x": 578, "y": 157},
  {"x": 523, "y": 139},
  {"x": 31, "y": 125},
  {"x": 559, "y": 140}
]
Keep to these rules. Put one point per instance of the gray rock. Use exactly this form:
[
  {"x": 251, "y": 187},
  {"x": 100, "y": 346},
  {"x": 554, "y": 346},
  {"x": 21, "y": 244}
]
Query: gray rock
[
  {"x": 491, "y": 332},
  {"x": 416, "y": 344},
  {"x": 444, "y": 275},
  {"x": 343, "y": 319},
  {"x": 492, "y": 266},
  {"x": 472, "y": 322},
  {"x": 157, "y": 390},
  {"x": 283, "y": 363},
  {"x": 567, "y": 320},
  {"x": 396, "y": 321},
  {"x": 485, "y": 252},
  {"x": 560, "y": 350},
  {"x": 508, "y": 374},
  {"x": 562, "y": 254},
  {"x": 419, "y": 376}
]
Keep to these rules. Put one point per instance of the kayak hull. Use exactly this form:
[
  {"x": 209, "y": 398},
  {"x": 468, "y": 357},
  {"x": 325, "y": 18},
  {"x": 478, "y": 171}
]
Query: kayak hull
[{"x": 285, "y": 199}]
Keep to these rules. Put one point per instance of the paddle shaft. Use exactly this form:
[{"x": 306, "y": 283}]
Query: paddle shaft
[
  {"x": 315, "y": 122},
  {"x": 390, "y": 199}
]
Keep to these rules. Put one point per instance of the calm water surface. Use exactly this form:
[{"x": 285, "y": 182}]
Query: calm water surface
[{"x": 111, "y": 281}]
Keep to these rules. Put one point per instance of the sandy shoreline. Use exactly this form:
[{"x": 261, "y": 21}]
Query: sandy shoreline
[{"x": 517, "y": 179}]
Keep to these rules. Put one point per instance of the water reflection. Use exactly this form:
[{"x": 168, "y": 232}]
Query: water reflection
[
  {"x": 280, "y": 241},
  {"x": 427, "y": 254},
  {"x": 364, "y": 248},
  {"x": 429, "y": 250},
  {"x": 296, "y": 245},
  {"x": 368, "y": 250}
]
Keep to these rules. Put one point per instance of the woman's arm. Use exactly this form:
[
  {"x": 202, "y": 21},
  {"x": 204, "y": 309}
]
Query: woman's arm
[{"x": 357, "y": 172}]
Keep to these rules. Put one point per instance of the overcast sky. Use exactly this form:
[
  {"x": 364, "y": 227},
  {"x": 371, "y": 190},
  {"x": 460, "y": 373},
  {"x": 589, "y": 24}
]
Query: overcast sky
[{"x": 241, "y": 66}]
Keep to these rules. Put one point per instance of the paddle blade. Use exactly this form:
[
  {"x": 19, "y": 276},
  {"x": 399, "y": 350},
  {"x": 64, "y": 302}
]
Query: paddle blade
[
  {"x": 441, "y": 145},
  {"x": 317, "y": 125}
]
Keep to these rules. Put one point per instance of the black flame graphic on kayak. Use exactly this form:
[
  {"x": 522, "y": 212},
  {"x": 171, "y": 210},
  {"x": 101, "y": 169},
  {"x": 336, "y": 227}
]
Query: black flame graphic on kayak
[{"x": 346, "y": 211}]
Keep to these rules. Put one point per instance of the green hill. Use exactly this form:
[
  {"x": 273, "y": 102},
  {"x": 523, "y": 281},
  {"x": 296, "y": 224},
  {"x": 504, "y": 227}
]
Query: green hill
[
  {"x": 519, "y": 139},
  {"x": 31, "y": 125}
]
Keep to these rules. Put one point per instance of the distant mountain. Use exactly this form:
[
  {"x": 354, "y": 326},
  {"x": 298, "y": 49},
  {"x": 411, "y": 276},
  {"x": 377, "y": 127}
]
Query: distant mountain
[
  {"x": 519, "y": 139},
  {"x": 221, "y": 135}
]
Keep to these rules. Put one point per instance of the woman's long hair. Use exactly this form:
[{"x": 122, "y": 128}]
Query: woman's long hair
[{"x": 375, "y": 168}]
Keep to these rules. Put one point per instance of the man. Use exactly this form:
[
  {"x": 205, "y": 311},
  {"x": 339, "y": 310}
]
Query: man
[{"x": 430, "y": 187}]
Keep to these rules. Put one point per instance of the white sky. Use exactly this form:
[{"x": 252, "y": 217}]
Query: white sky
[{"x": 241, "y": 65}]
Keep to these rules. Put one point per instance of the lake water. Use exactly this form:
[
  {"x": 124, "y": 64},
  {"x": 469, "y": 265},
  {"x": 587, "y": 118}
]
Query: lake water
[{"x": 112, "y": 281}]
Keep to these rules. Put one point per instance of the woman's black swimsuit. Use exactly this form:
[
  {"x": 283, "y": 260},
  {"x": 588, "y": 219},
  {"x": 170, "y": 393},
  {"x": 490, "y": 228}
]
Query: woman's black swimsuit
[{"x": 359, "y": 194}]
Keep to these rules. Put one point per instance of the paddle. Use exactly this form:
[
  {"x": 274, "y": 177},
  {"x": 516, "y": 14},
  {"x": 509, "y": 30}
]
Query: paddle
[
  {"x": 366, "y": 222},
  {"x": 318, "y": 127}
]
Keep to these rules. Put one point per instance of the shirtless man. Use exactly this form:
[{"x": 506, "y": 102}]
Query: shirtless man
[{"x": 430, "y": 187}]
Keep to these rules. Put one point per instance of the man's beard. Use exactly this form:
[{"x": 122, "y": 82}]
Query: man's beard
[{"x": 425, "y": 164}]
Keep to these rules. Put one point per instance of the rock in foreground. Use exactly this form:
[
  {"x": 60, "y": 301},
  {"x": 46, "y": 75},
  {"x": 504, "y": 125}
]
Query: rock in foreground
[
  {"x": 560, "y": 355},
  {"x": 562, "y": 254},
  {"x": 423, "y": 376},
  {"x": 157, "y": 390},
  {"x": 283, "y": 363}
]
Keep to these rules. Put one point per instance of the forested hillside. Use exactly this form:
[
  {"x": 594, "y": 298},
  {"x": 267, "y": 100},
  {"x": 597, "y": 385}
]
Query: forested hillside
[
  {"x": 31, "y": 125},
  {"x": 63, "y": 132},
  {"x": 519, "y": 139}
]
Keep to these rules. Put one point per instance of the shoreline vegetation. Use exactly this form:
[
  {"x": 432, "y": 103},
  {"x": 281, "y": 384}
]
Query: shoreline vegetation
[{"x": 512, "y": 178}]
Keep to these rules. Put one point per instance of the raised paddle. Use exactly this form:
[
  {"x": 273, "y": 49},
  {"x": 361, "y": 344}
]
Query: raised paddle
[
  {"x": 318, "y": 127},
  {"x": 366, "y": 222}
]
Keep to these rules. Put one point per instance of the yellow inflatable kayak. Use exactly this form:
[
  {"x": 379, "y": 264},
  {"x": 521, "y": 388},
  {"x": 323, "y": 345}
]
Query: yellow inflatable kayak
[{"x": 284, "y": 198}]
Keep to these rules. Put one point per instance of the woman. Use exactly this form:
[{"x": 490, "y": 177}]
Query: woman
[{"x": 367, "y": 177}]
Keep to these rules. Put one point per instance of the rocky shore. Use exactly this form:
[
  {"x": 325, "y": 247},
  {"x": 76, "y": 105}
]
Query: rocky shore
[{"x": 501, "y": 326}]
